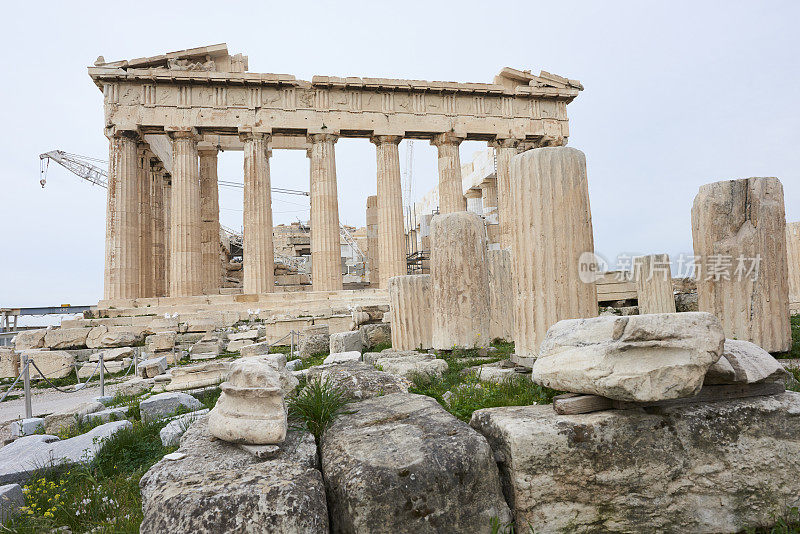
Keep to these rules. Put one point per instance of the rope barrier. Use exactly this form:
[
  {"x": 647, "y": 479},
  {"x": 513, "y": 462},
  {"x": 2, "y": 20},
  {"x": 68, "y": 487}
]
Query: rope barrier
[
  {"x": 79, "y": 386},
  {"x": 14, "y": 383}
]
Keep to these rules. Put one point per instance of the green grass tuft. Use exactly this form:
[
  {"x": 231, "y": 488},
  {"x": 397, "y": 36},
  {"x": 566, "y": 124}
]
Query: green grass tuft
[{"x": 316, "y": 406}]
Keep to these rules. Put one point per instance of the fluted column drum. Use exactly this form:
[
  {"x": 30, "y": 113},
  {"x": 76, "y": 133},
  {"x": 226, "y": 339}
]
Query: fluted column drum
[
  {"x": 459, "y": 282},
  {"x": 793, "y": 255},
  {"x": 552, "y": 230},
  {"x": 259, "y": 252},
  {"x": 121, "y": 277},
  {"x": 373, "y": 252},
  {"x": 653, "y": 277},
  {"x": 391, "y": 230},
  {"x": 209, "y": 217},
  {"x": 410, "y": 308},
  {"x": 501, "y": 295},
  {"x": 157, "y": 227},
  {"x": 451, "y": 197},
  {"x": 505, "y": 149},
  {"x": 326, "y": 250},
  {"x": 146, "y": 265},
  {"x": 739, "y": 234},
  {"x": 185, "y": 277}
]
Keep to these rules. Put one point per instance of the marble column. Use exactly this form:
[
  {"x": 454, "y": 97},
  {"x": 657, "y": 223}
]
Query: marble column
[
  {"x": 326, "y": 250},
  {"x": 505, "y": 149},
  {"x": 653, "y": 277},
  {"x": 185, "y": 277},
  {"x": 793, "y": 255},
  {"x": 451, "y": 198},
  {"x": 410, "y": 311},
  {"x": 552, "y": 236},
  {"x": 489, "y": 202},
  {"x": 209, "y": 216},
  {"x": 391, "y": 231},
  {"x": 146, "y": 271},
  {"x": 259, "y": 255},
  {"x": 739, "y": 237},
  {"x": 474, "y": 202},
  {"x": 373, "y": 253},
  {"x": 166, "y": 200},
  {"x": 157, "y": 226},
  {"x": 121, "y": 277}
]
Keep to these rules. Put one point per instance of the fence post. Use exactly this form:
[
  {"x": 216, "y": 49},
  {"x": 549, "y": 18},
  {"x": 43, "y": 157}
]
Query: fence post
[
  {"x": 26, "y": 377},
  {"x": 102, "y": 377},
  {"x": 135, "y": 363},
  {"x": 291, "y": 343}
]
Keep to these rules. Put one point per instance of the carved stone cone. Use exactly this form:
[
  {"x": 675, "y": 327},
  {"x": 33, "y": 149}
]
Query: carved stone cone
[{"x": 251, "y": 408}]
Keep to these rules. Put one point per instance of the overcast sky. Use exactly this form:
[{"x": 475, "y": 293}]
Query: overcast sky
[{"x": 677, "y": 94}]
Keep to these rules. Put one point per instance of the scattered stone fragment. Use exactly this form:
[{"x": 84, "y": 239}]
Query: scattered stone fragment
[
  {"x": 402, "y": 456},
  {"x": 493, "y": 372},
  {"x": 313, "y": 340},
  {"x": 247, "y": 334},
  {"x": 726, "y": 466},
  {"x": 116, "y": 336},
  {"x": 255, "y": 349},
  {"x": 9, "y": 363},
  {"x": 30, "y": 339},
  {"x": 407, "y": 364},
  {"x": 109, "y": 414},
  {"x": 360, "y": 380},
  {"x": 375, "y": 334},
  {"x": 56, "y": 422},
  {"x": 341, "y": 357},
  {"x": 346, "y": 342},
  {"x": 152, "y": 367},
  {"x": 66, "y": 338},
  {"x": 173, "y": 431},
  {"x": 53, "y": 363},
  {"x": 282, "y": 494},
  {"x": 135, "y": 386},
  {"x": 27, "y": 455},
  {"x": 11, "y": 500},
  {"x": 113, "y": 355},
  {"x": 638, "y": 358},
  {"x": 166, "y": 404},
  {"x": 198, "y": 376},
  {"x": 161, "y": 341},
  {"x": 743, "y": 362},
  {"x": 26, "y": 427}
]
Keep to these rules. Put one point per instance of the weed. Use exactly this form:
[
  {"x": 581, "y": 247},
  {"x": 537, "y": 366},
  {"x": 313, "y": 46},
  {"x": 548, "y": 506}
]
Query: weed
[
  {"x": 316, "y": 406},
  {"x": 314, "y": 359},
  {"x": 380, "y": 347}
]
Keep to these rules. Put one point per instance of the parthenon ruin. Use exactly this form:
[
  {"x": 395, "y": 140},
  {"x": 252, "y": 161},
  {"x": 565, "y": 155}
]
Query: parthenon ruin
[{"x": 167, "y": 116}]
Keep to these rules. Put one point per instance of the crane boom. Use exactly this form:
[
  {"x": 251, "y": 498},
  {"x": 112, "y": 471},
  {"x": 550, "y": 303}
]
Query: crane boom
[{"x": 85, "y": 167}]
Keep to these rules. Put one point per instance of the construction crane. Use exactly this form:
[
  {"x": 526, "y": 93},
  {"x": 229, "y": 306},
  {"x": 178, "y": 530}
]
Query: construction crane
[{"x": 88, "y": 169}]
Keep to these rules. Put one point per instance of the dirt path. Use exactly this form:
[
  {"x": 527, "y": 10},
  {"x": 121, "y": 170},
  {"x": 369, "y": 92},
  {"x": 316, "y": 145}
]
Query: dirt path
[{"x": 48, "y": 400}]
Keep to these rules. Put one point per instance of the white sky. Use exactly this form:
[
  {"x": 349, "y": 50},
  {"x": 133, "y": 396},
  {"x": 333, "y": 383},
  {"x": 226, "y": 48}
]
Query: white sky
[{"x": 677, "y": 94}]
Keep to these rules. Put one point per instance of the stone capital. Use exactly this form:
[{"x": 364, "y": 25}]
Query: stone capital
[
  {"x": 182, "y": 132},
  {"x": 322, "y": 137},
  {"x": 510, "y": 142},
  {"x": 473, "y": 193},
  {"x": 130, "y": 132},
  {"x": 386, "y": 139},
  {"x": 447, "y": 138},
  {"x": 248, "y": 133}
]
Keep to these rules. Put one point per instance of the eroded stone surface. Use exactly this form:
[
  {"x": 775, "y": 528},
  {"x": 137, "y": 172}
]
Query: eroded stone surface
[
  {"x": 166, "y": 404},
  {"x": 217, "y": 487},
  {"x": 360, "y": 380},
  {"x": 743, "y": 362},
  {"x": 401, "y": 464},
  {"x": 707, "y": 467},
  {"x": 636, "y": 358}
]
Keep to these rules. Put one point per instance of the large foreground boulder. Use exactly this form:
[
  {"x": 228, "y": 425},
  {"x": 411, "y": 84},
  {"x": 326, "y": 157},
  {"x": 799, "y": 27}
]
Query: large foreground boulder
[
  {"x": 706, "y": 467},
  {"x": 636, "y": 358},
  {"x": 215, "y": 486},
  {"x": 401, "y": 464}
]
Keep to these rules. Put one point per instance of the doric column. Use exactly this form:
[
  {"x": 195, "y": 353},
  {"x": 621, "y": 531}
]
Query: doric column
[
  {"x": 505, "y": 149},
  {"x": 489, "y": 202},
  {"x": 793, "y": 254},
  {"x": 157, "y": 226},
  {"x": 186, "y": 259},
  {"x": 258, "y": 255},
  {"x": 410, "y": 311},
  {"x": 451, "y": 198},
  {"x": 653, "y": 277},
  {"x": 209, "y": 216},
  {"x": 474, "y": 203},
  {"x": 166, "y": 200},
  {"x": 121, "y": 277},
  {"x": 326, "y": 250},
  {"x": 391, "y": 232},
  {"x": 372, "y": 241},
  {"x": 739, "y": 236},
  {"x": 146, "y": 270},
  {"x": 552, "y": 240}
]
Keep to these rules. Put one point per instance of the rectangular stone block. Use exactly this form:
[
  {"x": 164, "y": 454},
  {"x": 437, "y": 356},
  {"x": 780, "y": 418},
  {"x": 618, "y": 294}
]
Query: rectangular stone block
[
  {"x": 53, "y": 363},
  {"x": 9, "y": 363}
]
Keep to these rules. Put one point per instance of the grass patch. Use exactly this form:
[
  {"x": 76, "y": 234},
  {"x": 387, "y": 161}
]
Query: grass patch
[
  {"x": 466, "y": 393},
  {"x": 316, "y": 406},
  {"x": 380, "y": 347},
  {"x": 794, "y": 351},
  {"x": 314, "y": 359},
  {"x": 102, "y": 496}
]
